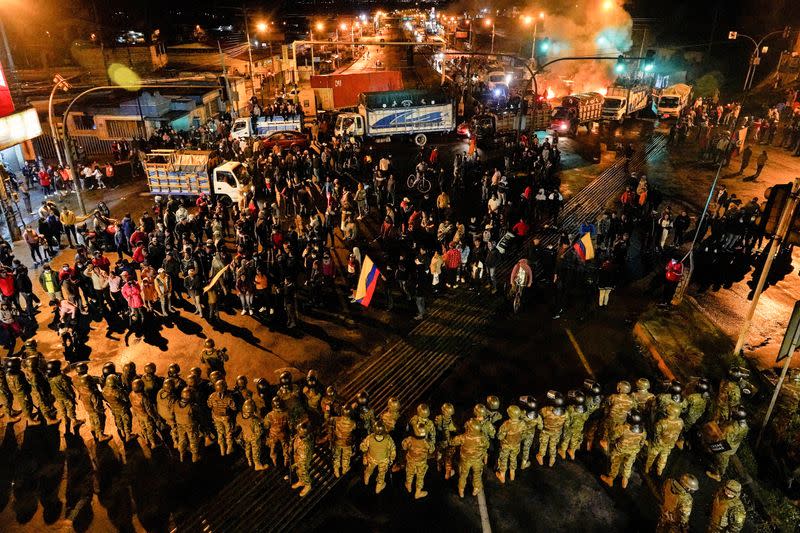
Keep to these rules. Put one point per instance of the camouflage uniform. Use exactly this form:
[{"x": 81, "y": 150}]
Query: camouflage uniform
[
  {"x": 21, "y": 392},
  {"x": 222, "y": 405},
  {"x": 152, "y": 382},
  {"x": 41, "y": 395},
  {"x": 617, "y": 409},
  {"x": 663, "y": 401},
  {"x": 88, "y": 388},
  {"x": 510, "y": 437},
  {"x": 727, "y": 511},
  {"x": 552, "y": 427},
  {"x": 328, "y": 404},
  {"x": 573, "y": 431},
  {"x": 473, "y": 445},
  {"x": 343, "y": 432},
  {"x": 303, "y": 446},
  {"x": 728, "y": 397},
  {"x": 391, "y": 415},
  {"x": 445, "y": 428},
  {"x": 696, "y": 408},
  {"x": 118, "y": 401},
  {"x": 624, "y": 450},
  {"x": 313, "y": 397},
  {"x": 676, "y": 507},
  {"x": 379, "y": 452},
  {"x": 276, "y": 423},
  {"x": 214, "y": 359},
  {"x": 418, "y": 448},
  {"x": 733, "y": 432},
  {"x": 252, "y": 434},
  {"x": 165, "y": 401},
  {"x": 187, "y": 425},
  {"x": 144, "y": 412},
  {"x": 665, "y": 436},
  {"x": 6, "y": 397},
  {"x": 64, "y": 396},
  {"x": 422, "y": 419},
  {"x": 533, "y": 421}
]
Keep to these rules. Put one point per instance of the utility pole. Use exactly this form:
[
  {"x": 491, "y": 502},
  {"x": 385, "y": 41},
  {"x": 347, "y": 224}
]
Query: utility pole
[
  {"x": 249, "y": 51},
  {"x": 772, "y": 250},
  {"x": 227, "y": 81}
]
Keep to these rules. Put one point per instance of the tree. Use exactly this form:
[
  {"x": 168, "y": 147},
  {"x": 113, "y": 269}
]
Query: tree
[{"x": 707, "y": 85}]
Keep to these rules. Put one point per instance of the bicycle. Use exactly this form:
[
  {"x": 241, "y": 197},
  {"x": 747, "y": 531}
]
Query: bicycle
[
  {"x": 517, "y": 297},
  {"x": 419, "y": 182}
]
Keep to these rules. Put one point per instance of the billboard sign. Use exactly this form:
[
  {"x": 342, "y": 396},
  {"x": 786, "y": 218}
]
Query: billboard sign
[{"x": 19, "y": 127}]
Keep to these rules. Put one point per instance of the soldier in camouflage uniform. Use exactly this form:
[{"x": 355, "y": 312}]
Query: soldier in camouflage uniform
[
  {"x": 729, "y": 394},
  {"x": 365, "y": 416},
  {"x": 672, "y": 396},
  {"x": 727, "y": 511},
  {"x": 787, "y": 406},
  {"x": 554, "y": 416},
  {"x": 165, "y": 401},
  {"x": 174, "y": 373},
  {"x": 7, "y": 398},
  {"x": 676, "y": 504},
  {"x": 303, "y": 446},
  {"x": 379, "y": 452},
  {"x": 473, "y": 445},
  {"x": 577, "y": 415},
  {"x": 696, "y": 407},
  {"x": 343, "y": 431},
  {"x": 144, "y": 412},
  {"x": 617, "y": 408},
  {"x": 625, "y": 448},
  {"x": 241, "y": 392},
  {"x": 446, "y": 429},
  {"x": 20, "y": 388},
  {"x": 64, "y": 396},
  {"x": 665, "y": 434},
  {"x": 128, "y": 375},
  {"x": 481, "y": 414},
  {"x": 644, "y": 401},
  {"x": 391, "y": 415},
  {"x": 418, "y": 448},
  {"x": 423, "y": 418},
  {"x": 276, "y": 423},
  {"x": 733, "y": 432},
  {"x": 119, "y": 403},
  {"x": 329, "y": 404},
  {"x": 222, "y": 406},
  {"x": 88, "y": 388},
  {"x": 594, "y": 401},
  {"x": 187, "y": 423},
  {"x": 533, "y": 422},
  {"x": 289, "y": 393},
  {"x": 493, "y": 409},
  {"x": 41, "y": 395},
  {"x": 213, "y": 358},
  {"x": 312, "y": 392},
  {"x": 510, "y": 437},
  {"x": 252, "y": 434},
  {"x": 152, "y": 382}
]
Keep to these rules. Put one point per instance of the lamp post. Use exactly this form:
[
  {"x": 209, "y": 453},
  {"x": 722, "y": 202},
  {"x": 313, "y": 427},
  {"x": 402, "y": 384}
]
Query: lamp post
[
  {"x": 487, "y": 23},
  {"x": 528, "y": 20},
  {"x": 758, "y": 50},
  {"x": 58, "y": 83}
]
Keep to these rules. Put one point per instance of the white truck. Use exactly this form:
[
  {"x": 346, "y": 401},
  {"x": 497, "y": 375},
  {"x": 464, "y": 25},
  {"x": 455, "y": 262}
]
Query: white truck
[
  {"x": 623, "y": 102},
  {"x": 409, "y": 113},
  {"x": 195, "y": 172},
  {"x": 246, "y": 127},
  {"x": 673, "y": 100}
]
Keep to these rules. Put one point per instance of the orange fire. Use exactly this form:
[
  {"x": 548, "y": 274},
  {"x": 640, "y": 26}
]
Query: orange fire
[
  {"x": 602, "y": 90},
  {"x": 550, "y": 93}
]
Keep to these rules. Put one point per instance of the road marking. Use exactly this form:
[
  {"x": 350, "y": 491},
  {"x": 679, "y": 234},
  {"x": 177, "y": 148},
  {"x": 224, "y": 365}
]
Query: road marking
[
  {"x": 577, "y": 347},
  {"x": 486, "y": 526}
]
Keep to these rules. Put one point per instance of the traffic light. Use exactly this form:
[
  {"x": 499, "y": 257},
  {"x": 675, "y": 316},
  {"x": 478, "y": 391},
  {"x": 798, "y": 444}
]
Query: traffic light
[
  {"x": 649, "y": 60},
  {"x": 619, "y": 68},
  {"x": 544, "y": 45}
]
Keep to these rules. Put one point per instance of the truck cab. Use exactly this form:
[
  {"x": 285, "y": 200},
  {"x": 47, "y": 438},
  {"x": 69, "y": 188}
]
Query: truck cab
[
  {"x": 614, "y": 108},
  {"x": 264, "y": 125},
  {"x": 231, "y": 180},
  {"x": 349, "y": 125}
]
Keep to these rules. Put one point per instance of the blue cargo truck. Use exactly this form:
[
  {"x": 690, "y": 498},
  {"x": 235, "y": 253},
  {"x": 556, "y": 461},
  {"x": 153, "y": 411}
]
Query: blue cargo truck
[{"x": 410, "y": 113}]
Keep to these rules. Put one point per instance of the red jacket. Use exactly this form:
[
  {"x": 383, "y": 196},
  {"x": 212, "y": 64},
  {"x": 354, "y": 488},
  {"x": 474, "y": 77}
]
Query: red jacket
[
  {"x": 7, "y": 285},
  {"x": 674, "y": 271},
  {"x": 452, "y": 259}
]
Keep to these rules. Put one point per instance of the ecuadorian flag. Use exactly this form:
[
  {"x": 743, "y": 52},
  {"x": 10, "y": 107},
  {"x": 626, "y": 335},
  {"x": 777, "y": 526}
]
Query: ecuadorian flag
[
  {"x": 584, "y": 247},
  {"x": 367, "y": 281}
]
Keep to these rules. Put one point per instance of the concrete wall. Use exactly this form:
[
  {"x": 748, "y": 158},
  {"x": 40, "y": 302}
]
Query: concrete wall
[{"x": 144, "y": 60}]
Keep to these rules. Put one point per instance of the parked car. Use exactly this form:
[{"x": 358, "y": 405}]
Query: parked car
[{"x": 285, "y": 139}]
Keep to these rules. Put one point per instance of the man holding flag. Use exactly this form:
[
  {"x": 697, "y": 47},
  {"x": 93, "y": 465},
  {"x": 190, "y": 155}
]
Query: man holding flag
[{"x": 367, "y": 281}]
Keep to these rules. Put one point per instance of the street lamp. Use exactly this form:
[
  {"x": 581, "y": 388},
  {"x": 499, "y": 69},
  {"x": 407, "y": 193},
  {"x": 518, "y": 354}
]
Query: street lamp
[
  {"x": 489, "y": 22},
  {"x": 58, "y": 83},
  {"x": 527, "y": 20},
  {"x": 758, "y": 50}
]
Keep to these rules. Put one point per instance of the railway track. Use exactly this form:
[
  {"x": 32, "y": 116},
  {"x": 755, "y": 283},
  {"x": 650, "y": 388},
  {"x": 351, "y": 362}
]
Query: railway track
[{"x": 263, "y": 501}]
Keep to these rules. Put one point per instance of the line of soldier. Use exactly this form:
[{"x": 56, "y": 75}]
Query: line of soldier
[{"x": 193, "y": 408}]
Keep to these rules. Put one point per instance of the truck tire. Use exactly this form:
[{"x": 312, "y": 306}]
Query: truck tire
[{"x": 420, "y": 139}]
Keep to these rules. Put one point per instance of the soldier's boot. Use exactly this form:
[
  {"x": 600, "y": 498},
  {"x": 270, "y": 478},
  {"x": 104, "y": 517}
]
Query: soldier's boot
[
  {"x": 608, "y": 480},
  {"x": 571, "y": 454},
  {"x": 195, "y": 457},
  {"x": 552, "y": 460},
  {"x": 103, "y": 437},
  {"x": 448, "y": 471},
  {"x": 419, "y": 492},
  {"x": 306, "y": 490},
  {"x": 540, "y": 459},
  {"x": 501, "y": 475},
  {"x": 76, "y": 425},
  {"x": 223, "y": 450},
  {"x": 380, "y": 486},
  {"x": 461, "y": 490},
  {"x": 679, "y": 444},
  {"x": 230, "y": 445},
  {"x": 476, "y": 491},
  {"x": 524, "y": 465},
  {"x": 297, "y": 485},
  {"x": 512, "y": 474},
  {"x": 624, "y": 482},
  {"x": 562, "y": 453},
  {"x": 409, "y": 483},
  {"x": 259, "y": 466}
]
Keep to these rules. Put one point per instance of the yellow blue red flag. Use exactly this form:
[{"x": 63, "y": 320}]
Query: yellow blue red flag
[
  {"x": 584, "y": 247},
  {"x": 367, "y": 281}
]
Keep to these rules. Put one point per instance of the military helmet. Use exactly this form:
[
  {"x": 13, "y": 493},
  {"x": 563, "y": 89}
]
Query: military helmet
[
  {"x": 109, "y": 369},
  {"x": 479, "y": 411},
  {"x": 192, "y": 380},
  {"x": 623, "y": 387},
  {"x": 129, "y": 368},
  {"x": 81, "y": 368},
  {"x": 137, "y": 385},
  {"x": 195, "y": 371},
  {"x": 738, "y": 372},
  {"x": 346, "y": 410},
  {"x": 262, "y": 386},
  {"x": 53, "y": 367},
  {"x": 209, "y": 343},
  {"x": 556, "y": 398},
  {"x": 112, "y": 380},
  {"x": 643, "y": 384},
  {"x": 592, "y": 387},
  {"x": 577, "y": 397},
  {"x": 248, "y": 407},
  {"x": 311, "y": 377},
  {"x": 362, "y": 398},
  {"x": 186, "y": 394},
  {"x": 675, "y": 387},
  {"x": 173, "y": 370},
  {"x": 420, "y": 431},
  {"x": 514, "y": 412},
  {"x": 330, "y": 391},
  {"x": 423, "y": 411},
  {"x": 703, "y": 385},
  {"x": 220, "y": 385},
  {"x": 634, "y": 418},
  {"x": 380, "y": 428},
  {"x": 30, "y": 343},
  {"x": 732, "y": 488},
  {"x": 241, "y": 381},
  {"x": 493, "y": 403},
  {"x": 214, "y": 376},
  {"x": 303, "y": 428},
  {"x": 529, "y": 402},
  {"x": 285, "y": 378},
  {"x": 393, "y": 404},
  {"x": 673, "y": 410},
  {"x": 473, "y": 426},
  {"x": 738, "y": 413},
  {"x": 169, "y": 385},
  {"x": 150, "y": 368},
  {"x": 689, "y": 482},
  {"x": 448, "y": 409},
  {"x": 277, "y": 403}
]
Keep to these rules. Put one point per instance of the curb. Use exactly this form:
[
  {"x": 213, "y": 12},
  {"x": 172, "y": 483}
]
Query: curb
[{"x": 646, "y": 338}]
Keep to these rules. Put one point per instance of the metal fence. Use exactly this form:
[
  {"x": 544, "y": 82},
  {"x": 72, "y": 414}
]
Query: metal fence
[{"x": 85, "y": 144}]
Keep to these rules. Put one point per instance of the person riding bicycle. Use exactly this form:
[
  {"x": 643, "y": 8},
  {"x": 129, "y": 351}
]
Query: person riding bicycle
[
  {"x": 421, "y": 169},
  {"x": 521, "y": 275}
]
